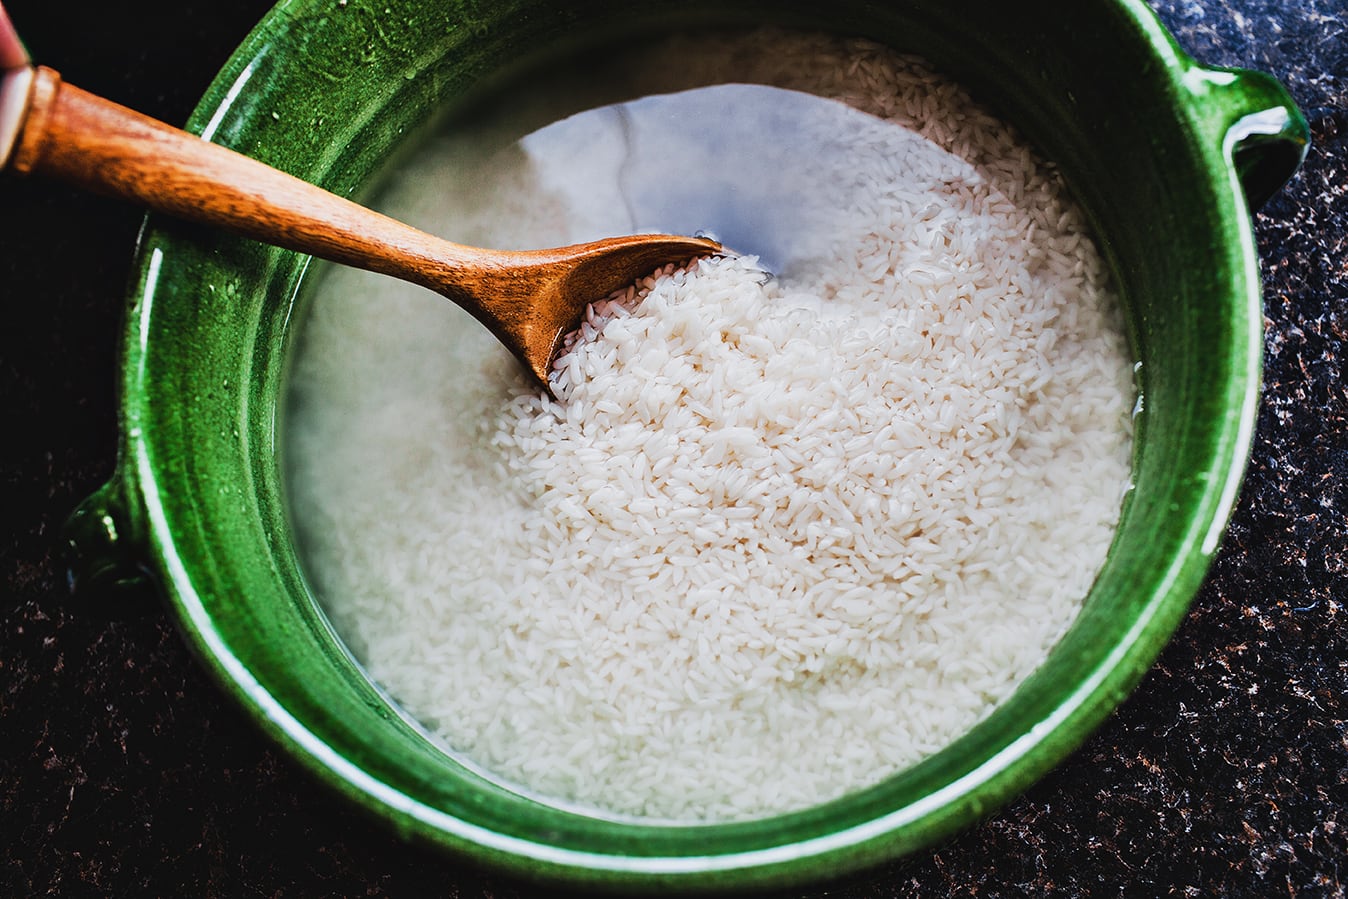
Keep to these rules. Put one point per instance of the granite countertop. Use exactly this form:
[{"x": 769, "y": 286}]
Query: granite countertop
[{"x": 123, "y": 771}]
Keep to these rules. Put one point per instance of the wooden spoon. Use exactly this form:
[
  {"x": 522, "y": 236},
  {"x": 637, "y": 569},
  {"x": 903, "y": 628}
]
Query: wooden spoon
[{"x": 529, "y": 299}]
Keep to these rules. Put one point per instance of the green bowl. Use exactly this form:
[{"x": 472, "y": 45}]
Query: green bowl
[{"x": 1163, "y": 154}]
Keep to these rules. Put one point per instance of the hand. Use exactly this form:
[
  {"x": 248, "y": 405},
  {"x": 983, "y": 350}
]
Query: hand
[{"x": 12, "y": 54}]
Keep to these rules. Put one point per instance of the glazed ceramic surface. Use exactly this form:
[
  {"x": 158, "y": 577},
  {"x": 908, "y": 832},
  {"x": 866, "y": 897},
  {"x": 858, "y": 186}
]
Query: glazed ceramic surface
[{"x": 1162, "y": 154}]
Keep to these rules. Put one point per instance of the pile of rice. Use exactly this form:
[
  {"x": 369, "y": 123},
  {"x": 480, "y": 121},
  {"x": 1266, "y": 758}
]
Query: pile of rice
[{"x": 777, "y": 538}]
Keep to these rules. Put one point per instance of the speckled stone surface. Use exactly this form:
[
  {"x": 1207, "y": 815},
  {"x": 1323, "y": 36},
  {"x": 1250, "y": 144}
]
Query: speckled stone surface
[{"x": 124, "y": 773}]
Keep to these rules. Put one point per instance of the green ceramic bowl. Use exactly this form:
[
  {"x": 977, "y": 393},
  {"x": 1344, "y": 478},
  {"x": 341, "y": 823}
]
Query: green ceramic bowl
[{"x": 1163, "y": 154}]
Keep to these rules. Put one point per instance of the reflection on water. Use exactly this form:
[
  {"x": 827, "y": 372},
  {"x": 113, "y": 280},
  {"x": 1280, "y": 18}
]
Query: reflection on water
[
  {"x": 770, "y": 172},
  {"x": 754, "y": 165}
]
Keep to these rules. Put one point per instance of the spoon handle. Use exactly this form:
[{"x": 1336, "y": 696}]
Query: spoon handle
[{"x": 77, "y": 137}]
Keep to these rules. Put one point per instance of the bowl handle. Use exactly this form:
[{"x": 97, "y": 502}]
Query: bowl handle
[
  {"x": 1262, "y": 132},
  {"x": 104, "y": 546}
]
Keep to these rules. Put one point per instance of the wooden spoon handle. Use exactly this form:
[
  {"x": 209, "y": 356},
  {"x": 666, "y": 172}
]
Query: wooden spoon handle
[{"x": 98, "y": 145}]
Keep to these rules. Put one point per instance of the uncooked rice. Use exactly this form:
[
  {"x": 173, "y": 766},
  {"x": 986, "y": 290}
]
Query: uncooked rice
[{"x": 777, "y": 538}]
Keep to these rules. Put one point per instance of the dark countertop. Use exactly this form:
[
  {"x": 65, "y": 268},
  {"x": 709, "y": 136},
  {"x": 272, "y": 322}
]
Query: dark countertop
[{"x": 124, "y": 772}]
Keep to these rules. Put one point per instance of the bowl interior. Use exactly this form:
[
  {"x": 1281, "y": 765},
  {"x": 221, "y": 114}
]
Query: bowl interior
[{"x": 331, "y": 93}]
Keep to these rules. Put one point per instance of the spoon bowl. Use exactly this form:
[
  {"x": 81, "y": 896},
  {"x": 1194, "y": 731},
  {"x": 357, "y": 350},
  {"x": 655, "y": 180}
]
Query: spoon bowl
[{"x": 531, "y": 298}]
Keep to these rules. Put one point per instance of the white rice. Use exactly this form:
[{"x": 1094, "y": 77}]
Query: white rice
[{"x": 778, "y": 538}]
